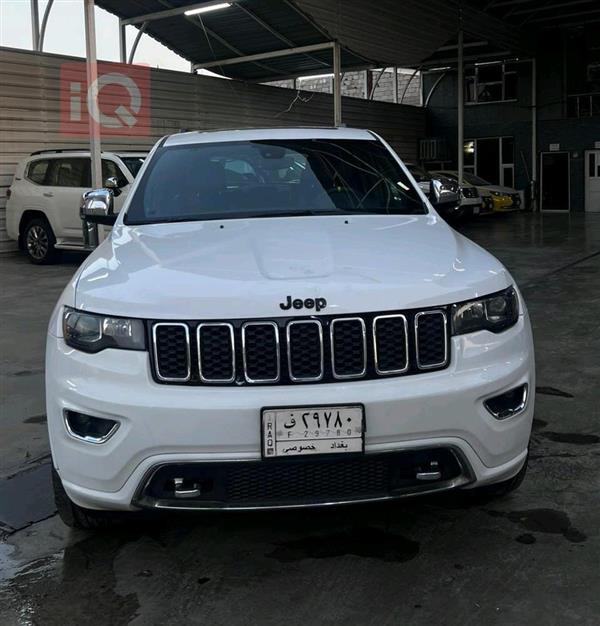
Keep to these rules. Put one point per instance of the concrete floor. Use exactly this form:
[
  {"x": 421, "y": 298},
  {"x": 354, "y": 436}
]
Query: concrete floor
[{"x": 530, "y": 558}]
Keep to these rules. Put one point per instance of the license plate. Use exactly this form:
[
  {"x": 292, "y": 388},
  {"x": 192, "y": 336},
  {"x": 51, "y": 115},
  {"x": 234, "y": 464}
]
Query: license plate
[{"x": 300, "y": 431}]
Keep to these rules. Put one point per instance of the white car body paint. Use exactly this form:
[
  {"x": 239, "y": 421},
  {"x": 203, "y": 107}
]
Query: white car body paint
[{"x": 243, "y": 269}]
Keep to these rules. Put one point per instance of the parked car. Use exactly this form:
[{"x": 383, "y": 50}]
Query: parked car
[
  {"x": 503, "y": 198},
  {"x": 280, "y": 318},
  {"x": 42, "y": 212},
  {"x": 480, "y": 198},
  {"x": 451, "y": 211}
]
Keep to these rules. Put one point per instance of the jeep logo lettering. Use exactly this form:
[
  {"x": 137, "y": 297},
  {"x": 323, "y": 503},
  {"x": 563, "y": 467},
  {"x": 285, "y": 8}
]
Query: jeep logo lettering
[{"x": 317, "y": 303}]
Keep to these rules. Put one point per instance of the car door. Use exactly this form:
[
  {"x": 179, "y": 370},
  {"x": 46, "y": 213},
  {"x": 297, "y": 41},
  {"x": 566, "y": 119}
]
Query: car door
[{"x": 69, "y": 179}]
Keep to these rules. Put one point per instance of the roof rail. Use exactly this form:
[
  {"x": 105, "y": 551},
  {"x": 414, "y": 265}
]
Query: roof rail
[{"x": 58, "y": 150}]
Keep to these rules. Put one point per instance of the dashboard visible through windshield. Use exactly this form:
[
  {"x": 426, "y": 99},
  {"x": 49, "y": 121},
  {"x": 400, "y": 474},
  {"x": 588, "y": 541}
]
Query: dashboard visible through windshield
[{"x": 272, "y": 178}]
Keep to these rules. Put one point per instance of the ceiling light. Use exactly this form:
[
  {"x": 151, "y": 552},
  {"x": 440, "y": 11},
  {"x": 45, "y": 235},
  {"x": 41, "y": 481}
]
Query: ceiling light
[{"x": 210, "y": 7}]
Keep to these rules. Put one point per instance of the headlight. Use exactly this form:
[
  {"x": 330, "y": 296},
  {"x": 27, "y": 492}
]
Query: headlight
[
  {"x": 90, "y": 332},
  {"x": 496, "y": 312},
  {"x": 498, "y": 194}
]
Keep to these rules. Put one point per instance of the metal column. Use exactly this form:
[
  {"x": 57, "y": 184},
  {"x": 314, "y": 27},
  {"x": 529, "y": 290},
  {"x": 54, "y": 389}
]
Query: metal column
[
  {"x": 533, "y": 135},
  {"x": 461, "y": 108},
  {"x": 91, "y": 236},
  {"x": 35, "y": 25},
  {"x": 337, "y": 85},
  {"x": 122, "y": 42}
]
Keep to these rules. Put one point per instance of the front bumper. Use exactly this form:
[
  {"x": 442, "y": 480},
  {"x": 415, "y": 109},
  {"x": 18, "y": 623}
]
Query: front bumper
[{"x": 167, "y": 425}]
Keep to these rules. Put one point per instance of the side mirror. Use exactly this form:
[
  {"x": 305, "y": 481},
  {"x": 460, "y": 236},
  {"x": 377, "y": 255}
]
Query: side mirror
[
  {"x": 113, "y": 183},
  {"x": 444, "y": 195},
  {"x": 97, "y": 207}
]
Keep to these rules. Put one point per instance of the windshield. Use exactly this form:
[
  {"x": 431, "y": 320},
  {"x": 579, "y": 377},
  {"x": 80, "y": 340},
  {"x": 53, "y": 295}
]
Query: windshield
[
  {"x": 133, "y": 163},
  {"x": 272, "y": 178}
]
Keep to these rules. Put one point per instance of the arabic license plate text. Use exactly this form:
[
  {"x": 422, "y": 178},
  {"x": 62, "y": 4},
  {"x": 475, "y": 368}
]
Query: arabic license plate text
[{"x": 300, "y": 431}]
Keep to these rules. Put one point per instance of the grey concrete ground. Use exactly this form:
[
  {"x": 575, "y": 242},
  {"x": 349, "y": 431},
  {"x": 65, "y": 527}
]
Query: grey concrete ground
[{"x": 532, "y": 558}]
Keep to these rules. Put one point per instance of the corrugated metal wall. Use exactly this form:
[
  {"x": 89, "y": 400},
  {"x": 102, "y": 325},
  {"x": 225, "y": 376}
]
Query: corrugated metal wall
[{"x": 30, "y": 113}]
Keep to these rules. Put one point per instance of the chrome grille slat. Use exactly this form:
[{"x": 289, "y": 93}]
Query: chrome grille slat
[
  {"x": 246, "y": 358},
  {"x": 157, "y": 357},
  {"x": 377, "y": 352},
  {"x": 289, "y": 329},
  {"x": 347, "y": 320},
  {"x": 199, "y": 331},
  {"x": 420, "y": 340},
  {"x": 317, "y": 349}
]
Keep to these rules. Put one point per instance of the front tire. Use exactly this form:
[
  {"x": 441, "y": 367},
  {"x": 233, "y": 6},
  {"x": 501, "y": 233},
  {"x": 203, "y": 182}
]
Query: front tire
[
  {"x": 39, "y": 242},
  {"x": 76, "y": 516}
]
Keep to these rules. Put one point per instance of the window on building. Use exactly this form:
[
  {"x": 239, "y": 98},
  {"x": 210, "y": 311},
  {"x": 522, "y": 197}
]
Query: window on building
[
  {"x": 491, "y": 82},
  {"x": 491, "y": 158}
]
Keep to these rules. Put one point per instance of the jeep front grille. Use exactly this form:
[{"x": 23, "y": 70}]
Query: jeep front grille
[{"x": 300, "y": 350}]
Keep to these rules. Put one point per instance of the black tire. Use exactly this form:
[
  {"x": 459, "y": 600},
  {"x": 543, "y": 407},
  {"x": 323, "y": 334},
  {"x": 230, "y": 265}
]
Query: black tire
[
  {"x": 76, "y": 516},
  {"x": 501, "y": 489},
  {"x": 38, "y": 241}
]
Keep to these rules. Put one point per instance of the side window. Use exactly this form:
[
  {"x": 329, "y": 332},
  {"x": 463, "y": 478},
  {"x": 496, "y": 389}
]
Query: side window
[
  {"x": 74, "y": 172},
  {"x": 37, "y": 170},
  {"x": 110, "y": 169}
]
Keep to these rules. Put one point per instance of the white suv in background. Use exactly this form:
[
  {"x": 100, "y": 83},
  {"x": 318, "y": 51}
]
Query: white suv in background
[
  {"x": 42, "y": 212},
  {"x": 280, "y": 318}
]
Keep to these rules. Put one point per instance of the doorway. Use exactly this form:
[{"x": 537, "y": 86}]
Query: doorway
[
  {"x": 555, "y": 182},
  {"x": 592, "y": 181}
]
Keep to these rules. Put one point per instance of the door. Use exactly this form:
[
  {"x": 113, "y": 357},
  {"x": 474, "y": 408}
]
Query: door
[
  {"x": 592, "y": 181},
  {"x": 555, "y": 185},
  {"x": 488, "y": 159},
  {"x": 69, "y": 178}
]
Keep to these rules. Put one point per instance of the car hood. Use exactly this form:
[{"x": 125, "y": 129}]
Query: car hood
[{"x": 247, "y": 267}]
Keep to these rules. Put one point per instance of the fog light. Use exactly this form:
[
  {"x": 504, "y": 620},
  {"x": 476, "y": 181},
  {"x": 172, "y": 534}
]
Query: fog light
[
  {"x": 508, "y": 403},
  {"x": 88, "y": 428}
]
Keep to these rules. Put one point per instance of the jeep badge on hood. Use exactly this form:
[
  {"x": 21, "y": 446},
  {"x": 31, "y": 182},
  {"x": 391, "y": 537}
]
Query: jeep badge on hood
[{"x": 309, "y": 303}]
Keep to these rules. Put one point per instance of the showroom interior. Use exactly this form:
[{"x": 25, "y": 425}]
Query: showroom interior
[{"x": 502, "y": 95}]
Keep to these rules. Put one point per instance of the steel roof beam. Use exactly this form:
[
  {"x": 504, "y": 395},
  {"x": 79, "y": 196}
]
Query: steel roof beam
[
  {"x": 250, "y": 58},
  {"x": 581, "y": 14},
  {"x": 275, "y": 33},
  {"x": 548, "y": 7}
]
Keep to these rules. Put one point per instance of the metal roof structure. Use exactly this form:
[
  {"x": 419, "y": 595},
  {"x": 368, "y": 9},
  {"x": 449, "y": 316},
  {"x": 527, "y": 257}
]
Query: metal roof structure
[{"x": 296, "y": 36}]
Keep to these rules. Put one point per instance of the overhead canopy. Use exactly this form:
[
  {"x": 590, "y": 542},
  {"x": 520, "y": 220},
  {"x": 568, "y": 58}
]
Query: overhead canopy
[
  {"x": 245, "y": 28},
  {"x": 411, "y": 33}
]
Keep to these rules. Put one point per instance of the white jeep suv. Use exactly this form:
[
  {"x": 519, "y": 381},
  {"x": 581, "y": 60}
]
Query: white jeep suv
[
  {"x": 42, "y": 212},
  {"x": 280, "y": 318}
]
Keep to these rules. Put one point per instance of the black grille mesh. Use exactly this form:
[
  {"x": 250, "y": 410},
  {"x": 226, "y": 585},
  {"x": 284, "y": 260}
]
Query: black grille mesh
[
  {"x": 172, "y": 351},
  {"x": 310, "y": 480},
  {"x": 348, "y": 347},
  {"x": 390, "y": 338},
  {"x": 216, "y": 353},
  {"x": 431, "y": 339},
  {"x": 260, "y": 351},
  {"x": 305, "y": 350}
]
